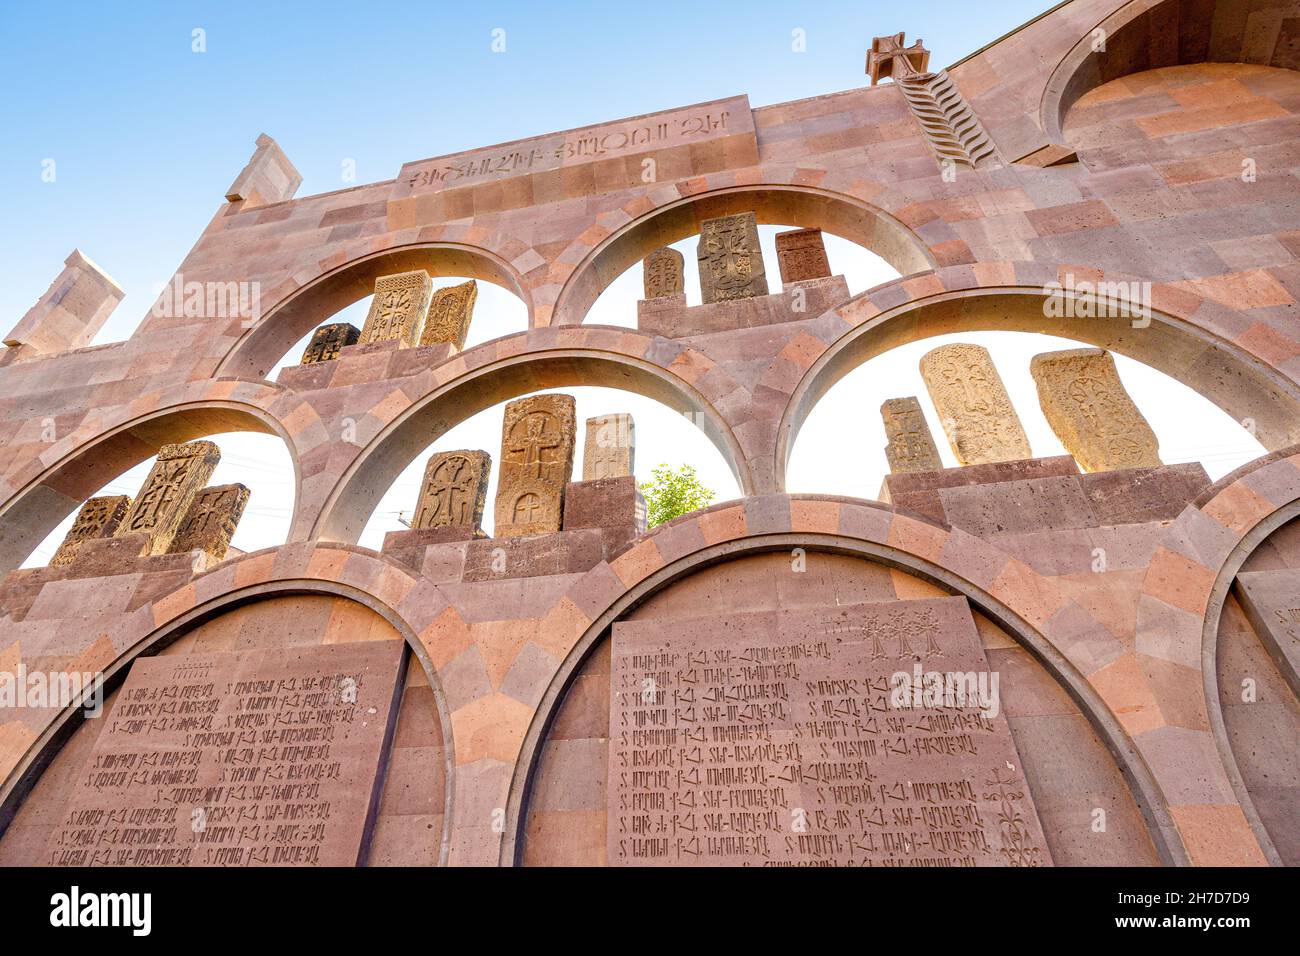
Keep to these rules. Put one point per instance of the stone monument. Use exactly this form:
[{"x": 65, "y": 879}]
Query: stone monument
[
  {"x": 450, "y": 311},
  {"x": 1091, "y": 412},
  {"x": 210, "y": 522},
  {"x": 610, "y": 447},
  {"x": 536, "y": 462},
  {"x": 173, "y": 483},
  {"x": 664, "y": 273},
  {"x": 454, "y": 490},
  {"x": 327, "y": 340},
  {"x": 911, "y": 447},
  {"x": 731, "y": 262},
  {"x": 801, "y": 255},
  {"x": 98, "y": 518},
  {"x": 978, "y": 417},
  {"x": 398, "y": 309}
]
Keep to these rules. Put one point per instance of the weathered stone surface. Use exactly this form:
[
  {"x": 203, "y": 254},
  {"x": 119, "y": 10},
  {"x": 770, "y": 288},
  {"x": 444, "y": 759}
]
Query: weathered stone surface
[
  {"x": 978, "y": 417},
  {"x": 98, "y": 518},
  {"x": 1144, "y": 494},
  {"x": 450, "y": 312},
  {"x": 919, "y": 491},
  {"x": 176, "y": 478},
  {"x": 530, "y": 556},
  {"x": 293, "y": 735},
  {"x": 74, "y": 307},
  {"x": 410, "y": 546},
  {"x": 1271, "y": 600},
  {"x": 210, "y": 522},
  {"x": 731, "y": 262},
  {"x": 1091, "y": 412},
  {"x": 537, "y": 438},
  {"x": 801, "y": 255},
  {"x": 664, "y": 273},
  {"x": 671, "y": 317},
  {"x": 934, "y": 781},
  {"x": 609, "y": 450},
  {"x": 614, "y": 505},
  {"x": 911, "y": 447},
  {"x": 454, "y": 490},
  {"x": 327, "y": 340},
  {"x": 398, "y": 309},
  {"x": 1017, "y": 507}
]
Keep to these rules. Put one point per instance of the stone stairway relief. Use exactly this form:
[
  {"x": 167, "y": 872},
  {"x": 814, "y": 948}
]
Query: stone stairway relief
[{"x": 952, "y": 129}]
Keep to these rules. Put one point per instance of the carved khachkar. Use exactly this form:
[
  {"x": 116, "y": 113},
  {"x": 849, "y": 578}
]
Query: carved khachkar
[
  {"x": 327, "y": 340},
  {"x": 731, "y": 262},
  {"x": 450, "y": 311},
  {"x": 98, "y": 518},
  {"x": 210, "y": 522},
  {"x": 1087, "y": 406},
  {"x": 978, "y": 417},
  {"x": 610, "y": 447},
  {"x": 398, "y": 309},
  {"x": 801, "y": 254},
  {"x": 664, "y": 273},
  {"x": 950, "y": 126},
  {"x": 536, "y": 462},
  {"x": 911, "y": 447},
  {"x": 454, "y": 490},
  {"x": 175, "y": 480}
]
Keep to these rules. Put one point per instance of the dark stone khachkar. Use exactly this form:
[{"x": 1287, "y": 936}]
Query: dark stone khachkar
[
  {"x": 731, "y": 261},
  {"x": 294, "y": 741},
  {"x": 454, "y": 492},
  {"x": 175, "y": 480},
  {"x": 801, "y": 254},
  {"x": 537, "y": 439},
  {"x": 328, "y": 340},
  {"x": 911, "y": 446},
  {"x": 827, "y": 712},
  {"x": 450, "y": 312},
  {"x": 98, "y": 518},
  {"x": 664, "y": 273},
  {"x": 210, "y": 522}
]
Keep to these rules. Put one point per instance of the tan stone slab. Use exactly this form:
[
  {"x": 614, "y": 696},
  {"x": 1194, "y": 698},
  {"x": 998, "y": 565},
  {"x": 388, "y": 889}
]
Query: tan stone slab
[
  {"x": 801, "y": 255},
  {"x": 814, "y": 736},
  {"x": 328, "y": 340},
  {"x": 911, "y": 446},
  {"x": 610, "y": 447},
  {"x": 977, "y": 414},
  {"x": 398, "y": 309},
  {"x": 1091, "y": 412},
  {"x": 450, "y": 312},
  {"x": 211, "y": 520},
  {"x": 537, "y": 438},
  {"x": 664, "y": 273},
  {"x": 176, "y": 478},
  {"x": 454, "y": 492},
  {"x": 731, "y": 262},
  {"x": 98, "y": 518}
]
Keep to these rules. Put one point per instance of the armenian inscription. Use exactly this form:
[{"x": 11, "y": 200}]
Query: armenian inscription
[
  {"x": 786, "y": 738},
  {"x": 258, "y": 758}
]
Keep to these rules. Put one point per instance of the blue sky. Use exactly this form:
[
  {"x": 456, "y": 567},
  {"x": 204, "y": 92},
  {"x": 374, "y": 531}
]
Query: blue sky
[{"x": 146, "y": 134}]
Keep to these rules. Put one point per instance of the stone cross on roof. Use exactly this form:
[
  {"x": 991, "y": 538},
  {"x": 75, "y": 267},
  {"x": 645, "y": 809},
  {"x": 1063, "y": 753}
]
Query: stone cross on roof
[{"x": 888, "y": 57}]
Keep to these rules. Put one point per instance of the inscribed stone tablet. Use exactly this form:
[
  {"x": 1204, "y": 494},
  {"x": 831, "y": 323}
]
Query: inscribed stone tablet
[
  {"x": 777, "y": 738},
  {"x": 259, "y": 758}
]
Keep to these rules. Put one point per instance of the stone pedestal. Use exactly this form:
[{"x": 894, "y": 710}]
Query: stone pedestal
[
  {"x": 529, "y": 556},
  {"x": 614, "y": 506},
  {"x": 671, "y": 317},
  {"x": 409, "y": 547}
]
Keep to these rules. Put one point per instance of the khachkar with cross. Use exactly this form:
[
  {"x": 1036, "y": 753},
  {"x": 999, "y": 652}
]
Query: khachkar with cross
[
  {"x": 888, "y": 57},
  {"x": 537, "y": 440},
  {"x": 454, "y": 491}
]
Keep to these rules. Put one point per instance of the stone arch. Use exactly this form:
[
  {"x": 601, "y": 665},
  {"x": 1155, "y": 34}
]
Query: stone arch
[
  {"x": 56, "y": 482},
  {"x": 507, "y": 368},
  {"x": 349, "y": 277},
  {"x": 1188, "y": 339},
  {"x": 1052, "y": 627},
  {"x": 394, "y": 593},
  {"x": 1148, "y": 34},
  {"x": 612, "y": 247}
]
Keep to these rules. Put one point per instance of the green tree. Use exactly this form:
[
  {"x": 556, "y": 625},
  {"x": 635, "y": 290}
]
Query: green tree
[{"x": 672, "y": 493}]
